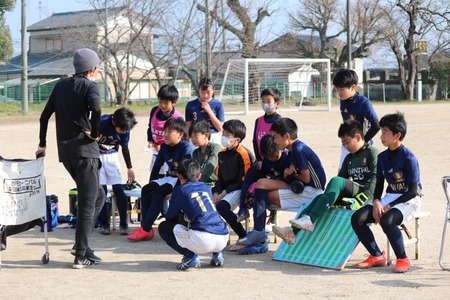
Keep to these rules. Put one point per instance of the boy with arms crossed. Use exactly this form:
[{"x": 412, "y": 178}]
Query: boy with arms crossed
[{"x": 400, "y": 168}]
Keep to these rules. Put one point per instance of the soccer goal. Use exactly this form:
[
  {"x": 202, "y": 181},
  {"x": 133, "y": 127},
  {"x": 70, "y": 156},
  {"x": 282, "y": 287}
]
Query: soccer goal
[{"x": 305, "y": 84}]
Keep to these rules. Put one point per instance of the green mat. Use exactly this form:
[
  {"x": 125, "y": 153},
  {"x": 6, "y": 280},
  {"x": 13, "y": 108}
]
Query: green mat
[{"x": 329, "y": 246}]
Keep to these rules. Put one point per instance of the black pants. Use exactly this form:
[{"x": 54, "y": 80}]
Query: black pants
[
  {"x": 91, "y": 197},
  {"x": 389, "y": 222}
]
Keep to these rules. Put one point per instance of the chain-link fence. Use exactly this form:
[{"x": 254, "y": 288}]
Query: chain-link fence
[{"x": 38, "y": 90}]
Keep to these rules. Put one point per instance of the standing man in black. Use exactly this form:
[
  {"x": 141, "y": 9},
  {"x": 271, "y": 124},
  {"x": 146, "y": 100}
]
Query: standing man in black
[{"x": 73, "y": 100}]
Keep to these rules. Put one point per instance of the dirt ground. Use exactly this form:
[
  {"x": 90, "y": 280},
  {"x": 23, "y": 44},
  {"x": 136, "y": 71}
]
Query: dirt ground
[{"x": 147, "y": 270}]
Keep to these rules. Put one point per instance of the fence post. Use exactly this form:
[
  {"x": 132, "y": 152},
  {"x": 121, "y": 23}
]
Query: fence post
[{"x": 39, "y": 98}]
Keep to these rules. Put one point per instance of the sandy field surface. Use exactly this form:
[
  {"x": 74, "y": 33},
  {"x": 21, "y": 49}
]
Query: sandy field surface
[{"x": 147, "y": 270}]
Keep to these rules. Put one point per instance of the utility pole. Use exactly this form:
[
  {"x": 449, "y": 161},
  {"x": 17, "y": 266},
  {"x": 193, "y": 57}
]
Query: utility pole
[
  {"x": 207, "y": 48},
  {"x": 105, "y": 63},
  {"x": 24, "y": 78},
  {"x": 349, "y": 38}
]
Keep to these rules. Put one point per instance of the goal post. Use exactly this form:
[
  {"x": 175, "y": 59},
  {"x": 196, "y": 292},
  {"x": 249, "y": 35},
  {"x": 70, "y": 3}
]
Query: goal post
[{"x": 305, "y": 84}]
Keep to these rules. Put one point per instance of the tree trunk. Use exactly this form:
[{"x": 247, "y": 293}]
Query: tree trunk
[{"x": 432, "y": 91}]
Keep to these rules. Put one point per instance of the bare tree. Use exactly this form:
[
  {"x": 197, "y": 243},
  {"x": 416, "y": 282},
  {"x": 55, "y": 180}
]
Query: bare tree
[
  {"x": 242, "y": 20},
  {"x": 319, "y": 18},
  {"x": 128, "y": 42},
  {"x": 408, "y": 21},
  {"x": 245, "y": 28},
  {"x": 182, "y": 38}
]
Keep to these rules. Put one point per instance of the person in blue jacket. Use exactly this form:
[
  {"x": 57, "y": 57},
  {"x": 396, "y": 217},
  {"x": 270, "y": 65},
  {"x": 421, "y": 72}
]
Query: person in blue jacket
[{"x": 202, "y": 230}]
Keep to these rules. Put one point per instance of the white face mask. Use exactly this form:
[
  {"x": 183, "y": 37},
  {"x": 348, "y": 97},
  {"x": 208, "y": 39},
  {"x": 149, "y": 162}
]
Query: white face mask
[
  {"x": 268, "y": 107},
  {"x": 226, "y": 142}
]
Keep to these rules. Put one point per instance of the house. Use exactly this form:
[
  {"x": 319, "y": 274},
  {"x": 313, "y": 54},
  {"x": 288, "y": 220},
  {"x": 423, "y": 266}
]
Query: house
[{"x": 52, "y": 42}]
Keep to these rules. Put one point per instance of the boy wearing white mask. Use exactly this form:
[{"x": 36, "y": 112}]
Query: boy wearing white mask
[
  {"x": 270, "y": 100},
  {"x": 234, "y": 161}
]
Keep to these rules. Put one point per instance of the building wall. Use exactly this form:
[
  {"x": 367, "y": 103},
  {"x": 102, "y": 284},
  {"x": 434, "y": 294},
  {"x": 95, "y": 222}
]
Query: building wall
[{"x": 67, "y": 40}]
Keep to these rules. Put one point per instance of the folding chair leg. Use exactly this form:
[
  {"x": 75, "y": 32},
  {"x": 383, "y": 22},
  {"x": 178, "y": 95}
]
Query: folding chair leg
[
  {"x": 441, "y": 252},
  {"x": 446, "y": 187},
  {"x": 417, "y": 232},
  {"x": 275, "y": 238},
  {"x": 113, "y": 211}
]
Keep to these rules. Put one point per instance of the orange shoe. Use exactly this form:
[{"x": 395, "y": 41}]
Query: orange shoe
[
  {"x": 402, "y": 265},
  {"x": 141, "y": 235},
  {"x": 372, "y": 261}
]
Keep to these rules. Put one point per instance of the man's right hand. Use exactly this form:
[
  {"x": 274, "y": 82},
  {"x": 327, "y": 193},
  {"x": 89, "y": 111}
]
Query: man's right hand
[{"x": 40, "y": 153}]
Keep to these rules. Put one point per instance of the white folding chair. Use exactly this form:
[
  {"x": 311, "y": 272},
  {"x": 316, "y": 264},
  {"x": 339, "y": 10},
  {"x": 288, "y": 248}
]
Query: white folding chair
[{"x": 446, "y": 186}]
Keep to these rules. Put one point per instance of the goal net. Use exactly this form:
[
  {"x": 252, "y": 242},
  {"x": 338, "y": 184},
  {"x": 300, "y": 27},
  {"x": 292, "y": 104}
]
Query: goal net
[{"x": 305, "y": 84}]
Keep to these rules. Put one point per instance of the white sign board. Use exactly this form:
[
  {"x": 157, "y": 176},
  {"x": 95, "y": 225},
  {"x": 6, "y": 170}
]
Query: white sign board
[{"x": 22, "y": 191}]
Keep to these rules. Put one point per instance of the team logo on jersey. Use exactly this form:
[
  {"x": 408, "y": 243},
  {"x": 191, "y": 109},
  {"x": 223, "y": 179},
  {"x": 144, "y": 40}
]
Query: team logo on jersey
[
  {"x": 398, "y": 176},
  {"x": 364, "y": 161}
]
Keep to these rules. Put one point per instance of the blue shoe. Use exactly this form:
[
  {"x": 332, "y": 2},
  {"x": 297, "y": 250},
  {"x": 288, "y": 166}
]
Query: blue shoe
[
  {"x": 255, "y": 248},
  {"x": 188, "y": 263},
  {"x": 217, "y": 259},
  {"x": 253, "y": 237}
]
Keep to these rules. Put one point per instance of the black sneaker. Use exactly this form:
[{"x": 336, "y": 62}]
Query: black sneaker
[
  {"x": 89, "y": 255},
  {"x": 124, "y": 230},
  {"x": 81, "y": 262},
  {"x": 105, "y": 230}
]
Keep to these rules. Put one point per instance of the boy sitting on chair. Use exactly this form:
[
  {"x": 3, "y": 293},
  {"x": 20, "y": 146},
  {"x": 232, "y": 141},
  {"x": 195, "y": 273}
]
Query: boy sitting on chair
[
  {"x": 204, "y": 230},
  {"x": 400, "y": 168},
  {"x": 274, "y": 162},
  {"x": 356, "y": 179},
  {"x": 206, "y": 153},
  {"x": 305, "y": 169},
  {"x": 234, "y": 162},
  {"x": 172, "y": 152}
]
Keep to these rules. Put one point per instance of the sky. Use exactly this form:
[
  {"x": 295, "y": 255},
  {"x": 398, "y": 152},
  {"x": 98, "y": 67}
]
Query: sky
[
  {"x": 40, "y": 9},
  {"x": 36, "y": 11}
]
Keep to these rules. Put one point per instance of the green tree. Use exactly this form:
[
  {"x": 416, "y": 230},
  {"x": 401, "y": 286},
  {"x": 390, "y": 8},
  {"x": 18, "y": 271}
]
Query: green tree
[
  {"x": 6, "y": 48},
  {"x": 440, "y": 72}
]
